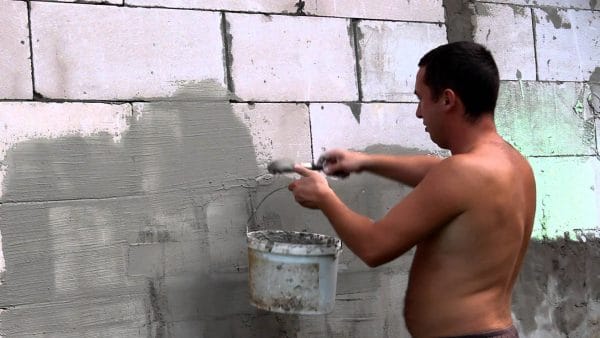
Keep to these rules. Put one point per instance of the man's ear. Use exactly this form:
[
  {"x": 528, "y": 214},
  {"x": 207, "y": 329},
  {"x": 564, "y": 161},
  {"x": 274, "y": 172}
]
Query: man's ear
[{"x": 449, "y": 97}]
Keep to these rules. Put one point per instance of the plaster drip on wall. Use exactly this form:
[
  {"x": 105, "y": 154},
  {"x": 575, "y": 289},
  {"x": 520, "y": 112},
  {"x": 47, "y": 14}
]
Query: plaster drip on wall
[
  {"x": 300, "y": 7},
  {"x": 520, "y": 78}
]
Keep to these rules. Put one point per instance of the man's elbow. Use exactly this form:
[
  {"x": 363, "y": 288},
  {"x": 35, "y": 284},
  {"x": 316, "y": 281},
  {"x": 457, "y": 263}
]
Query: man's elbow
[
  {"x": 377, "y": 257},
  {"x": 372, "y": 263},
  {"x": 373, "y": 260}
]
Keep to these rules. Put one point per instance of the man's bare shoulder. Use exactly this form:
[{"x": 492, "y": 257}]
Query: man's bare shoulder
[
  {"x": 488, "y": 158},
  {"x": 489, "y": 170},
  {"x": 461, "y": 167}
]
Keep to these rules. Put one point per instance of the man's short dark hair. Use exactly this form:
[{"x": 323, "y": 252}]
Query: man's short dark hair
[{"x": 469, "y": 70}]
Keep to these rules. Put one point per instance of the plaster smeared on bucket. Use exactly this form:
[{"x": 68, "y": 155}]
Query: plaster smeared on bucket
[{"x": 293, "y": 242}]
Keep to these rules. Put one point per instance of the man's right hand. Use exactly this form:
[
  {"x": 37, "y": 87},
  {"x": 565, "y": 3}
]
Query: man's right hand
[{"x": 341, "y": 162}]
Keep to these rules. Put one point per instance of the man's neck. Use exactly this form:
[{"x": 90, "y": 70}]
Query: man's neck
[{"x": 468, "y": 135}]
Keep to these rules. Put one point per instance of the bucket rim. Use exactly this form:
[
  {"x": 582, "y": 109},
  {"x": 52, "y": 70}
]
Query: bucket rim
[{"x": 266, "y": 241}]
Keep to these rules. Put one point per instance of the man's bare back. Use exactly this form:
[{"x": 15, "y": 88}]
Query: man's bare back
[{"x": 462, "y": 276}]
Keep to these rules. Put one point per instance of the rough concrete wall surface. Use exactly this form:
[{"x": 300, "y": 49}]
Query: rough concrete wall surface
[
  {"x": 134, "y": 138},
  {"x": 14, "y": 64}
]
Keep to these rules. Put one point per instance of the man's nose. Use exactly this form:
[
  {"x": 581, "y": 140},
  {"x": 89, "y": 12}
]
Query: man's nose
[{"x": 418, "y": 113}]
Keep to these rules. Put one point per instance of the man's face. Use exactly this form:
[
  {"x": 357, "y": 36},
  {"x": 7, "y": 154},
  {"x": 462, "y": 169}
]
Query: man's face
[{"x": 429, "y": 110}]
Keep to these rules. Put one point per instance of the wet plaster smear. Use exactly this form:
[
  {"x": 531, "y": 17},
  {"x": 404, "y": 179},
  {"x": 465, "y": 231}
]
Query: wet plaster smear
[{"x": 136, "y": 229}]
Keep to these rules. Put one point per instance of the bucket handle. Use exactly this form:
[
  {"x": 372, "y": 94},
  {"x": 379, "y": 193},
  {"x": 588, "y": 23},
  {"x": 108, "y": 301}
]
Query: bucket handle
[{"x": 254, "y": 210}]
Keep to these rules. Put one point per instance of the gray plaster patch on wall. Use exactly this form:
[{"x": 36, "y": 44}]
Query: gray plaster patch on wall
[
  {"x": 595, "y": 77},
  {"x": 459, "y": 20},
  {"x": 558, "y": 290},
  {"x": 149, "y": 158},
  {"x": 391, "y": 149},
  {"x": 69, "y": 259},
  {"x": 554, "y": 15},
  {"x": 518, "y": 10},
  {"x": 482, "y": 10}
]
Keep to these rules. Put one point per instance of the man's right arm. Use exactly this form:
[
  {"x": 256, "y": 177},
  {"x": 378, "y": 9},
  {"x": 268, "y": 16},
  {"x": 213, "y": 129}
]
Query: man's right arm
[{"x": 409, "y": 169}]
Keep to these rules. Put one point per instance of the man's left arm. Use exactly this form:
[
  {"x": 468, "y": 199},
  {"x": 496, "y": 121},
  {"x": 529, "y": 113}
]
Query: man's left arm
[{"x": 434, "y": 202}]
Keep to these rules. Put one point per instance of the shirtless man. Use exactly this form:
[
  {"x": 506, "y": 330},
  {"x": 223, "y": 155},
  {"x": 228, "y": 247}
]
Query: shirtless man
[{"x": 470, "y": 215}]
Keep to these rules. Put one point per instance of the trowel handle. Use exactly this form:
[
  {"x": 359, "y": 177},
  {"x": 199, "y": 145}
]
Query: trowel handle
[{"x": 311, "y": 166}]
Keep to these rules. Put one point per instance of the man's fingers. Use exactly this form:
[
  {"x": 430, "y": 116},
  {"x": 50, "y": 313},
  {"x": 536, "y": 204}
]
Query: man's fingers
[
  {"x": 329, "y": 156},
  {"x": 336, "y": 152},
  {"x": 302, "y": 171},
  {"x": 323, "y": 159},
  {"x": 331, "y": 168}
]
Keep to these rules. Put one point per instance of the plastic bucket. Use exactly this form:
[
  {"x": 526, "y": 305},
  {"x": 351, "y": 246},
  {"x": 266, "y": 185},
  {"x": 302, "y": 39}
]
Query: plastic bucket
[{"x": 293, "y": 272}]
